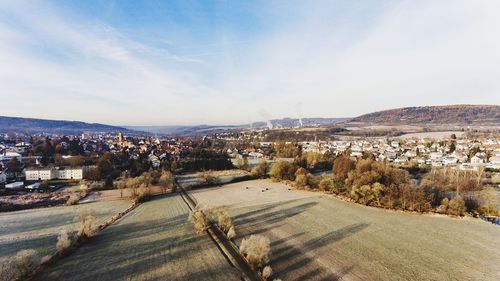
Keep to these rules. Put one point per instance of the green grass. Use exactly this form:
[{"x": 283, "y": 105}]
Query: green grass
[
  {"x": 153, "y": 242},
  {"x": 38, "y": 228},
  {"x": 321, "y": 238}
]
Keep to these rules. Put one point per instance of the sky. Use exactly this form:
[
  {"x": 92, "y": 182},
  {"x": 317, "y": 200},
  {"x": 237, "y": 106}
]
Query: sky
[{"x": 233, "y": 62}]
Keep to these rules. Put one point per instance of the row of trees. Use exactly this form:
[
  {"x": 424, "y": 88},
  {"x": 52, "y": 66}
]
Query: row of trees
[
  {"x": 256, "y": 249},
  {"x": 378, "y": 184},
  {"x": 139, "y": 188}
]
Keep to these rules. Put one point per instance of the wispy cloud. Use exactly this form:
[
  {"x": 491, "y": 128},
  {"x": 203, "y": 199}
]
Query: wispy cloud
[{"x": 333, "y": 58}]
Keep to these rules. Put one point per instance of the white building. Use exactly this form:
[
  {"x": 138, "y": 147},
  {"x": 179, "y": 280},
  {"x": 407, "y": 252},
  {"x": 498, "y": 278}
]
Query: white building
[
  {"x": 35, "y": 174},
  {"x": 65, "y": 173},
  {"x": 68, "y": 173},
  {"x": 477, "y": 159}
]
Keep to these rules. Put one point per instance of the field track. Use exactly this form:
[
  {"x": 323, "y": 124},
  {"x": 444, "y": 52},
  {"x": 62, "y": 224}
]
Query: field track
[{"x": 227, "y": 248}]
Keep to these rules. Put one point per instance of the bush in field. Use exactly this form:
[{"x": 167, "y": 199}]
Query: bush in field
[
  {"x": 267, "y": 272},
  {"x": 456, "y": 206},
  {"x": 121, "y": 185},
  {"x": 166, "y": 181},
  {"x": 487, "y": 203},
  {"x": 242, "y": 163},
  {"x": 200, "y": 217},
  {"x": 283, "y": 170},
  {"x": 139, "y": 189},
  {"x": 72, "y": 200},
  {"x": 63, "y": 241},
  {"x": 260, "y": 170},
  {"x": 443, "y": 208},
  {"x": 224, "y": 221},
  {"x": 342, "y": 165},
  {"x": 20, "y": 267},
  {"x": 86, "y": 227},
  {"x": 231, "y": 234},
  {"x": 257, "y": 250},
  {"x": 329, "y": 183},
  {"x": 208, "y": 178}
]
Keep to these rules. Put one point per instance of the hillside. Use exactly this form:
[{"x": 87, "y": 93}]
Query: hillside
[
  {"x": 31, "y": 125},
  {"x": 449, "y": 114},
  {"x": 206, "y": 129}
]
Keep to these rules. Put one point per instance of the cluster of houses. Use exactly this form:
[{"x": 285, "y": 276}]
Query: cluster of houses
[
  {"x": 460, "y": 153},
  {"x": 463, "y": 153}
]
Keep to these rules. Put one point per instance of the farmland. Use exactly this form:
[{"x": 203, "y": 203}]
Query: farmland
[
  {"x": 38, "y": 228},
  {"x": 313, "y": 235},
  {"x": 152, "y": 242}
]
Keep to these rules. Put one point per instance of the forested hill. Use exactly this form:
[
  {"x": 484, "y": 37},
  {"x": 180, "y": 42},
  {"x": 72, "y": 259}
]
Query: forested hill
[
  {"x": 31, "y": 125},
  {"x": 449, "y": 114}
]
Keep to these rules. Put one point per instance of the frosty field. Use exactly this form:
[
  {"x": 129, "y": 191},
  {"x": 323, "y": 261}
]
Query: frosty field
[
  {"x": 152, "y": 242},
  {"x": 321, "y": 238},
  {"x": 38, "y": 228}
]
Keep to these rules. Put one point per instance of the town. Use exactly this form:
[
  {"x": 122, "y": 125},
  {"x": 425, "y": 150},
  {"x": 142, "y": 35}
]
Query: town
[{"x": 28, "y": 160}]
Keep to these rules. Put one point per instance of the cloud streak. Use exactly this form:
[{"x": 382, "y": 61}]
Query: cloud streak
[{"x": 334, "y": 59}]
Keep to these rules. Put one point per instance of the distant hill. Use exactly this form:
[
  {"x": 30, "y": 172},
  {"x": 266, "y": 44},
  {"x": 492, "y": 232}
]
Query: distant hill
[
  {"x": 448, "y": 114},
  {"x": 31, "y": 125},
  {"x": 206, "y": 129},
  {"x": 296, "y": 122}
]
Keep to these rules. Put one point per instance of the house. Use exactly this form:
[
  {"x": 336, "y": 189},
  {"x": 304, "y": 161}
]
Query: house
[
  {"x": 7, "y": 156},
  {"x": 477, "y": 159},
  {"x": 450, "y": 160}
]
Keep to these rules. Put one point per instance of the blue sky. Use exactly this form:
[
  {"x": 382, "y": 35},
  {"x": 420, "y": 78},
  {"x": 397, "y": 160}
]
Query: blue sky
[{"x": 230, "y": 62}]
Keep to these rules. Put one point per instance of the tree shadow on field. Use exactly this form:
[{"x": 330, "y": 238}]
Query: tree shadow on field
[
  {"x": 269, "y": 217},
  {"x": 292, "y": 262}
]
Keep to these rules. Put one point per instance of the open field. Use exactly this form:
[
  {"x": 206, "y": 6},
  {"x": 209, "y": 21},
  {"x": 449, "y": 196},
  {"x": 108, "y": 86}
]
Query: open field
[
  {"x": 432, "y": 135},
  {"x": 321, "y": 238},
  {"x": 224, "y": 176},
  {"x": 38, "y": 228},
  {"x": 152, "y": 242}
]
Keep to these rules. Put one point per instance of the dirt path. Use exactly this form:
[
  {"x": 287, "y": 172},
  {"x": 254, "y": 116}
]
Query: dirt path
[{"x": 227, "y": 248}]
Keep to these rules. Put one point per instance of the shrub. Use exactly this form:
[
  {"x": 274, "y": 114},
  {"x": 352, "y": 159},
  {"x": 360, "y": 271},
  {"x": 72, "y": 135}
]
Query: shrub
[
  {"x": 208, "y": 178},
  {"x": 342, "y": 165},
  {"x": 267, "y": 272},
  {"x": 20, "y": 267},
  {"x": 200, "y": 217},
  {"x": 72, "y": 200},
  {"x": 457, "y": 206},
  {"x": 231, "y": 234},
  {"x": 257, "y": 250},
  {"x": 224, "y": 221},
  {"x": 86, "y": 226},
  {"x": 443, "y": 208},
  {"x": 63, "y": 241},
  {"x": 283, "y": 170},
  {"x": 166, "y": 181},
  {"x": 260, "y": 170}
]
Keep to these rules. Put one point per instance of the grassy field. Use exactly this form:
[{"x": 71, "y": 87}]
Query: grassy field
[
  {"x": 315, "y": 237},
  {"x": 38, "y": 228},
  {"x": 153, "y": 242}
]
